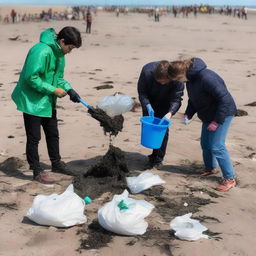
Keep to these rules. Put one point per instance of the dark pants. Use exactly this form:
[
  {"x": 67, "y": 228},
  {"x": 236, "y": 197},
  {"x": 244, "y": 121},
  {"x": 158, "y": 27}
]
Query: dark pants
[
  {"x": 33, "y": 132},
  {"x": 158, "y": 155},
  {"x": 88, "y": 27}
]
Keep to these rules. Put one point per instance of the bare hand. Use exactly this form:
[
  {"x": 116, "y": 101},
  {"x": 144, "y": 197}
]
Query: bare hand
[{"x": 60, "y": 93}]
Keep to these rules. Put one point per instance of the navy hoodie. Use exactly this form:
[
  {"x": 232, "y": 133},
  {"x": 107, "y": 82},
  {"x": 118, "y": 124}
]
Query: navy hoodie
[
  {"x": 163, "y": 98},
  {"x": 208, "y": 94}
]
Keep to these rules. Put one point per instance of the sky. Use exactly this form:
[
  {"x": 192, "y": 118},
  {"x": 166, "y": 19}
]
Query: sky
[{"x": 129, "y": 2}]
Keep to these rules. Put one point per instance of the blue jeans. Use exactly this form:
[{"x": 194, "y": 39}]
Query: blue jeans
[{"x": 214, "y": 149}]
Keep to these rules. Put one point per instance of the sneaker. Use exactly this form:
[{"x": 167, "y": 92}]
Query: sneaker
[
  {"x": 209, "y": 172},
  {"x": 61, "y": 167},
  {"x": 227, "y": 184},
  {"x": 44, "y": 178}
]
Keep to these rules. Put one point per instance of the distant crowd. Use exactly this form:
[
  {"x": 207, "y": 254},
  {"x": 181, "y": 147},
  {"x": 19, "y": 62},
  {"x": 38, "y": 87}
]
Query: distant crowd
[
  {"x": 81, "y": 13},
  {"x": 71, "y": 13}
]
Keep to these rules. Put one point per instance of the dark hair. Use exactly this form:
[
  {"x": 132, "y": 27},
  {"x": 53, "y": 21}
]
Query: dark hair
[
  {"x": 71, "y": 35},
  {"x": 161, "y": 70}
]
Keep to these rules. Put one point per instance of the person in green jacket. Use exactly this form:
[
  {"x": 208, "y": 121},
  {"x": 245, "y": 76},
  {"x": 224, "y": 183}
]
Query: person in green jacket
[{"x": 41, "y": 82}]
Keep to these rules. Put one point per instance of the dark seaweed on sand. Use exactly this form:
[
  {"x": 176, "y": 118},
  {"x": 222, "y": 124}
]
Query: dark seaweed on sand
[
  {"x": 110, "y": 125},
  {"x": 113, "y": 164}
]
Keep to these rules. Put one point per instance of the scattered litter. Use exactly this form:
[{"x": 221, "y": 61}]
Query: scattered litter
[
  {"x": 124, "y": 215},
  {"x": 188, "y": 229},
  {"x": 143, "y": 181},
  {"x": 87, "y": 200},
  {"x": 185, "y": 204}
]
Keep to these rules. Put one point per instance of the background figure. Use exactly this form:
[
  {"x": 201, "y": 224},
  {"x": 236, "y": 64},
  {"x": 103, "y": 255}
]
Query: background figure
[
  {"x": 40, "y": 83},
  {"x": 88, "y": 22},
  {"x": 13, "y": 15},
  {"x": 215, "y": 107},
  {"x": 156, "y": 14},
  {"x": 117, "y": 12},
  {"x": 159, "y": 97}
]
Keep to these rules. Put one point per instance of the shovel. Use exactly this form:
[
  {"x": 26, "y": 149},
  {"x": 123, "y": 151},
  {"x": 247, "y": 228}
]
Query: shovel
[{"x": 85, "y": 104}]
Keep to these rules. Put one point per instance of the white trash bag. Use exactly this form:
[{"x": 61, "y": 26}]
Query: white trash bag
[
  {"x": 124, "y": 215},
  {"x": 116, "y": 105},
  {"x": 143, "y": 181},
  {"x": 188, "y": 229},
  {"x": 64, "y": 210}
]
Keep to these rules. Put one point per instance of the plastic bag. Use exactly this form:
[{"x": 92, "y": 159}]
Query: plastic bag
[
  {"x": 144, "y": 181},
  {"x": 187, "y": 228},
  {"x": 128, "y": 220},
  {"x": 64, "y": 210},
  {"x": 116, "y": 105}
]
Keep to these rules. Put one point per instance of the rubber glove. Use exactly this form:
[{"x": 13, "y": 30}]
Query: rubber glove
[
  {"x": 185, "y": 120},
  {"x": 212, "y": 126},
  {"x": 73, "y": 95},
  {"x": 150, "y": 110}
]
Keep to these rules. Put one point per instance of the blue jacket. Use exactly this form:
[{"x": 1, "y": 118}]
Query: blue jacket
[
  {"x": 163, "y": 98},
  {"x": 208, "y": 94}
]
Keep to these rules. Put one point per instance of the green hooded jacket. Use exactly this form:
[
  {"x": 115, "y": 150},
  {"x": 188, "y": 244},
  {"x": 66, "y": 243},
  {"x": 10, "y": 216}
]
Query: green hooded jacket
[{"x": 41, "y": 74}]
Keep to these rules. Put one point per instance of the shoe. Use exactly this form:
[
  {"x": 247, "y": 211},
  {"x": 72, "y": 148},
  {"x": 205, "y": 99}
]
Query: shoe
[
  {"x": 209, "y": 172},
  {"x": 151, "y": 165},
  {"x": 44, "y": 178},
  {"x": 61, "y": 167},
  {"x": 227, "y": 184}
]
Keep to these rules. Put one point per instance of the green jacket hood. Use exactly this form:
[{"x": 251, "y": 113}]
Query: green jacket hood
[{"x": 49, "y": 37}]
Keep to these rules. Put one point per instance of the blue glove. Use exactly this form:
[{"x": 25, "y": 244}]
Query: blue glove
[
  {"x": 150, "y": 110},
  {"x": 185, "y": 120}
]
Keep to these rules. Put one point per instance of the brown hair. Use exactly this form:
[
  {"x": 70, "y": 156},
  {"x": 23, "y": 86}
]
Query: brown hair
[
  {"x": 179, "y": 67},
  {"x": 161, "y": 70}
]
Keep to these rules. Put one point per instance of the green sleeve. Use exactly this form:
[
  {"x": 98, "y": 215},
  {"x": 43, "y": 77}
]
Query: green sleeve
[{"x": 35, "y": 67}]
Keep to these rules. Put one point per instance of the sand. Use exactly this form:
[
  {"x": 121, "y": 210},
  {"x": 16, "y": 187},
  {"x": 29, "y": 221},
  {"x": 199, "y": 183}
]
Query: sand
[{"x": 116, "y": 51}]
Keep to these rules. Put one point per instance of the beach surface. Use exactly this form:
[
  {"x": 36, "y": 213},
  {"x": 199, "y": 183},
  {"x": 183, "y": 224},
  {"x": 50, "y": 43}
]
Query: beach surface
[{"x": 114, "y": 54}]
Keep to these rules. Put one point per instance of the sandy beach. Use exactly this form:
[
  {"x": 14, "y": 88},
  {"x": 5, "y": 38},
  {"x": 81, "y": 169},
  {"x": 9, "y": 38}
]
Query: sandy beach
[{"x": 115, "y": 52}]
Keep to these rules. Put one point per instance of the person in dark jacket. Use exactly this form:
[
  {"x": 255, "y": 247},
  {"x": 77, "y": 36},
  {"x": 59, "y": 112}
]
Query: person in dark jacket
[
  {"x": 215, "y": 107},
  {"x": 41, "y": 82},
  {"x": 159, "y": 97}
]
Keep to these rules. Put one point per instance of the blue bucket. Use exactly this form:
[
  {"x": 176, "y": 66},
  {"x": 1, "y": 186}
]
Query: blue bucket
[{"x": 152, "y": 133}]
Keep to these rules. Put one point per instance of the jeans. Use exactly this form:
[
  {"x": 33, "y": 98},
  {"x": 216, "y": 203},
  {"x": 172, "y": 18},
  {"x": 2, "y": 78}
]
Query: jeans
[
  {"x": 33, "y": 132},
  {"x": 214, "y": 149}
]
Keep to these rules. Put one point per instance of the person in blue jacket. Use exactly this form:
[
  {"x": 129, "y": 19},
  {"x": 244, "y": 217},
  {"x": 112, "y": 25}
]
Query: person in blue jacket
[
  {"x": 209, "y": 97},
  {"x": 159, "y": 97}
]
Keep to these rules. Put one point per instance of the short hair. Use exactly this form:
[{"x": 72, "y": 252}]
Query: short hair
[
  {"x": 71, "y": 35},
  {"x": 161, "y": 70}
]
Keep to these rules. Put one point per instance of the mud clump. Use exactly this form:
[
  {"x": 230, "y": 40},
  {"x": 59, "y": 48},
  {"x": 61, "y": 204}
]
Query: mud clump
[
  {"x": 11, "y": 164},
  {"x": 106, "y": 176},
  {"x": 97, "y": 237},
  {"x": 241, "y": 112},
  {"x": 252, "y": 104},
  {"x": 110, "y": 125},
  {"x": 104, "y": 86}
]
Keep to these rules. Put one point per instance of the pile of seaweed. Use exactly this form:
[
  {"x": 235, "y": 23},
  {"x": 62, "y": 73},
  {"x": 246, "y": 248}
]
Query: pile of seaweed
[
  {"x": 111, "y": 125},
  {"x": 105, "y": 176}
]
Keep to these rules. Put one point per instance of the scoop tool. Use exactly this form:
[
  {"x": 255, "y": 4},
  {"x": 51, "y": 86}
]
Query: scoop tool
[{"x": 85, "y": 104}]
